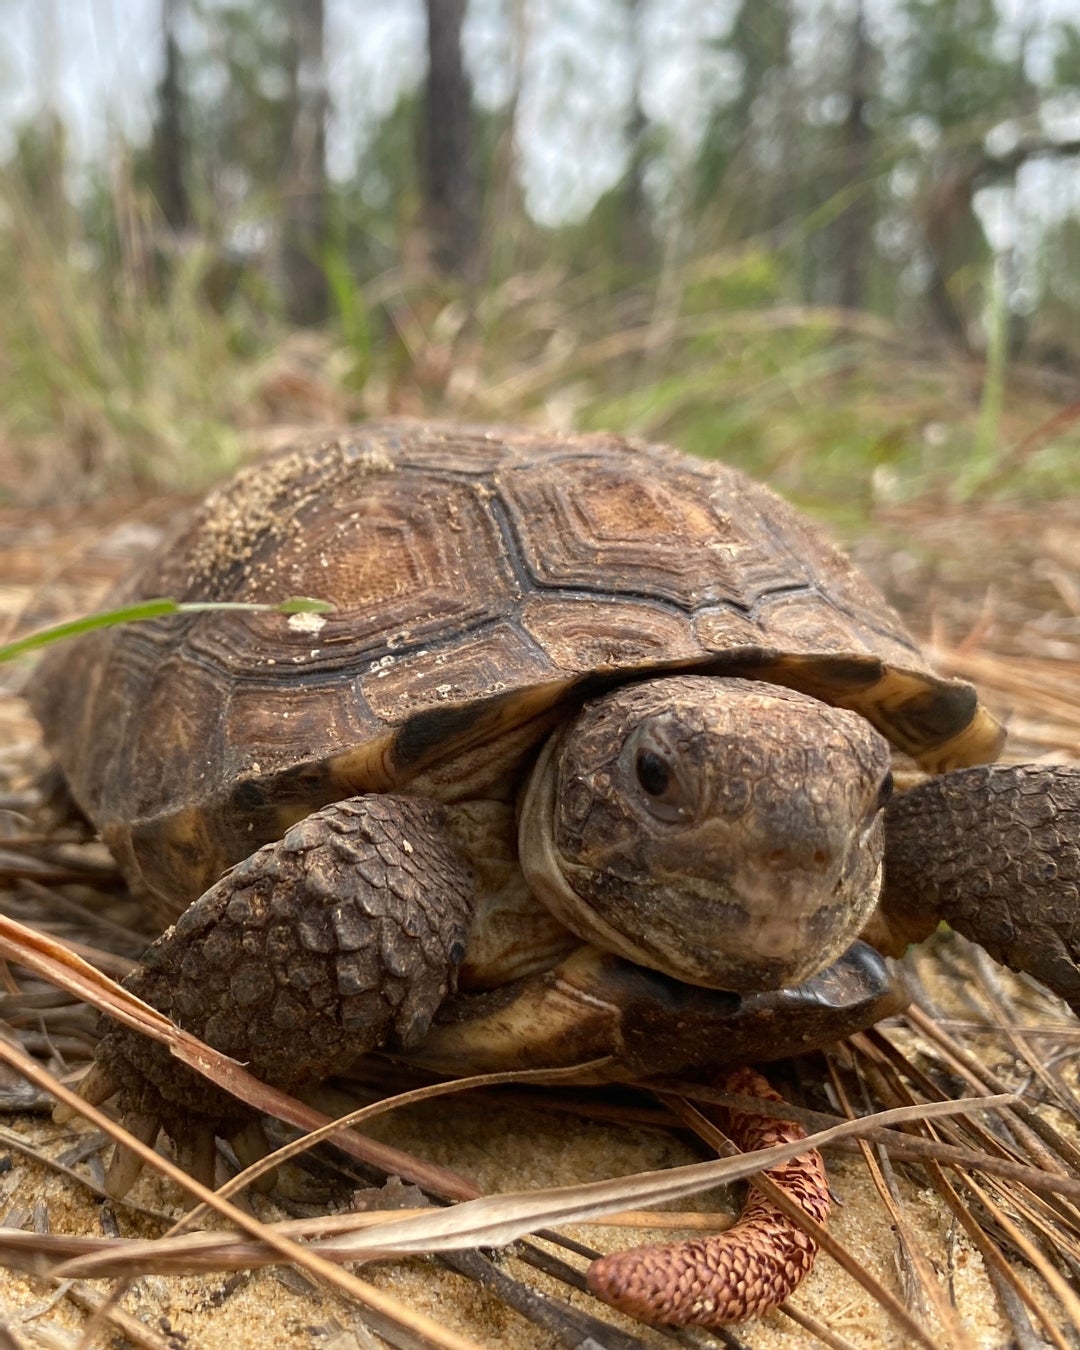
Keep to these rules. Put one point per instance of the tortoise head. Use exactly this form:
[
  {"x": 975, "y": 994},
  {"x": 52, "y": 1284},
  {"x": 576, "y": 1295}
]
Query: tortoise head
[{"x": 723, "y": 831}]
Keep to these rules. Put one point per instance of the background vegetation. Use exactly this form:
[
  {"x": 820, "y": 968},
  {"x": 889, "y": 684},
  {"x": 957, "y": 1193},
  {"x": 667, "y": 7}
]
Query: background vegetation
[{"x": 837, "y": 241}]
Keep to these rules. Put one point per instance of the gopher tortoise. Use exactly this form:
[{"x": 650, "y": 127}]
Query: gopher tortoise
[{"x": 590, "y": 764}]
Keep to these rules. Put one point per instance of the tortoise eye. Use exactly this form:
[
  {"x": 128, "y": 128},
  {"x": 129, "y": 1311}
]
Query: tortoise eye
[
  {"x": 653, "y": 773},
  {"x": 885, "y": 792},
  {"x": 664, "y": 792}
]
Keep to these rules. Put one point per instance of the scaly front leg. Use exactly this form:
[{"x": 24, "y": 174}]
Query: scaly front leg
[
  {"x": 343, "y": 936},
  {"x": 993, "y": 851}
]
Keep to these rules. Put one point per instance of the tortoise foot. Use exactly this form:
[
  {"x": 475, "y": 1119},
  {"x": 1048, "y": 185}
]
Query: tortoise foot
[
  {"x": 195, "y": 1144},
  {"x": 343, "y": 936},
  {"x": 994, "y": 851},
  {"x": 753, "y": 1267}
]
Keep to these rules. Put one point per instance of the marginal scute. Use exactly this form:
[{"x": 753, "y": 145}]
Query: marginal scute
[
  {"x": 722, "y": 629},
  {"x": 486, "y": 581},
  {"x": 606, "y": 633},
  {"x": 803, "y": 621},
  {"x": 452, "y": 673}
]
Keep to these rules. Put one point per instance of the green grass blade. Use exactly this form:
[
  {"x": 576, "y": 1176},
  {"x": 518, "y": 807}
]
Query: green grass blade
[{"x": 152, "y": 609}]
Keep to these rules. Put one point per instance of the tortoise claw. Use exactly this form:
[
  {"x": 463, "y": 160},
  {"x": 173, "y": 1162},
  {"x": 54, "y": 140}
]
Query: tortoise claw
[
  {"x": 98, "y": 1085},
  {"x": 196, "y": 1153},
  {"x": 251, "y": 1144},
  {"x": 742, "y": 1273},
  {"x": 125, "y": 1166}
]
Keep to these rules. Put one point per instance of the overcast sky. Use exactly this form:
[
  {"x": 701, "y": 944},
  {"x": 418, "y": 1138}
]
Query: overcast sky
[{"x": 98, "y": 61}]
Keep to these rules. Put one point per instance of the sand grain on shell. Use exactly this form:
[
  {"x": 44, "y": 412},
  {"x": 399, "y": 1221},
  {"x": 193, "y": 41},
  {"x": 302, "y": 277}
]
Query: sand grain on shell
[{"x": 268, "y": 501}]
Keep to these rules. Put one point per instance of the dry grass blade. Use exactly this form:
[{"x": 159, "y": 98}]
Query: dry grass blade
[
  {"x": 911, "y": 1148},
  {"x": 101, "y": 1306},
  {"x": 992, "y": 1253},
  {"x": 333, "y": 1130},
  {"x": 380, "y": 1308},
  {"x": 885, "y": 1065},
  {"x": 1042, "y": 1221},
  {"x": 55, "y": 962},
  {"x": 990, "y": 990},
  {"x": 10, "y": 1140},
  {"x": 978, "y": 1074},
  {"x": 491, "y": 1221},
  {"x": 212, "y": 1251},
  {"x": 539, "y": 375},
  {"x": 498, "y": 1220},
  {"x": 1046, "y": 687},
  {"x": 569, "y": 1325},
  {"x": 912, "y": 1248},
  {"x": 1031, "y": 1253},
  {"x": 825, "y": 1334}
]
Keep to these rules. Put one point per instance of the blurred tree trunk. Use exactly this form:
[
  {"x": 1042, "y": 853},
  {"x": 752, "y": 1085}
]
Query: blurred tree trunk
[
  {"x": 960, "y": 80},
  {"x": 41, "y": 154},
  {"x": 755, "y": 184},
  {"x": 857, "y": 220},
  {"x": 506, "y": 213},
  {"x": 451, "y": 207},
  {"x": 635, "y": 225},
  {"x": 169, "y": 149},
  {"x": 304, "y": 214}
]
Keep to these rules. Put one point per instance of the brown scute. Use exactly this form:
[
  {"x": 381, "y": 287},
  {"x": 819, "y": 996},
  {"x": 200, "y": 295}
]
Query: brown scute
[
  {"x": 469, "y": 568},
  {"x": 422, "y": 736},
  {"x": 474, "y": 668},
  {"x": 603, "y": 632},
  {"x": 660, "y": 536}
]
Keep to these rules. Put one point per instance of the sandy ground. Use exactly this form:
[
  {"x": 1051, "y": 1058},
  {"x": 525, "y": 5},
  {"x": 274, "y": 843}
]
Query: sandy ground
[{"x": 1013, "y": 619}]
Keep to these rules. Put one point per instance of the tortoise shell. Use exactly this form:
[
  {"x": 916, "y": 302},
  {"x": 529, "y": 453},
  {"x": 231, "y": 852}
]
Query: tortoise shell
[{"x": 484, "y": 582}]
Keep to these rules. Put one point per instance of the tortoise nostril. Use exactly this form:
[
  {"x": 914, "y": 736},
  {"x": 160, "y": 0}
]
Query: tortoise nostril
[{"x": 795, "y": 858}]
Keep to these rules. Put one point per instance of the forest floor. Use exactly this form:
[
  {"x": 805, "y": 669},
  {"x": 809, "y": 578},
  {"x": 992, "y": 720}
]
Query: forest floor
[{"x": 995, "y": 592}]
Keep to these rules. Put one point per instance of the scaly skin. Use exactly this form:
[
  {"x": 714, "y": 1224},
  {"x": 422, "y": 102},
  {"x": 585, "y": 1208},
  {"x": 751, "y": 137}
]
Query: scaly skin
[
  {"x": 754, "y": 1266},
  {"x": 342, "y": 936},
  {"x": 993, "y": 851}
]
